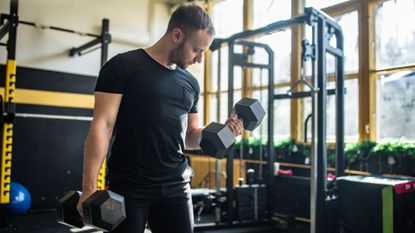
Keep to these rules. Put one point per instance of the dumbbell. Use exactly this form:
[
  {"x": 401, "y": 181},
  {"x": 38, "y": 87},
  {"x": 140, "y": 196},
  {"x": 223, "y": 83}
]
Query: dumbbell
[
  {"x": 217, "y": 138},
  {"x": 103, "y": 210}
]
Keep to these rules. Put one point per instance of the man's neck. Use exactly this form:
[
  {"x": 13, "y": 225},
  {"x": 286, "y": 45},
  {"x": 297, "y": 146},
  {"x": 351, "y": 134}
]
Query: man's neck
[{"x": 161, "y": 53}]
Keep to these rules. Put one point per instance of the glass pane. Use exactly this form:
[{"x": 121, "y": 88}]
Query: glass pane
[
  {"x": 269, "y": 11},
  {"x": 319, "y": 4},
  {"x": 395, "y": 34},
  {"x": 223, "y": 106},
  {"x": 282, "y": 116},
  {"x": 213, "y": 108},
  {"x": 200, "y": 108},
  {"x": 351, "y": 112},
  {"x": 348, "y": 24},
  {"x": 228, "y": 17},
  {"x": 280, "y": 43},
  {"x": 228, "y": 20},
  {"x": 237, "y": 72},
  {"x": 396, "y": 106},
  {"x": 197, "y": 70},
  {"x": 260, "y": 77},
  {"x": 224, "y": 69}
]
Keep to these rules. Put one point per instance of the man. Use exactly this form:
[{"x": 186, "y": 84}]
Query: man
[{"x": 152, "y": 100}]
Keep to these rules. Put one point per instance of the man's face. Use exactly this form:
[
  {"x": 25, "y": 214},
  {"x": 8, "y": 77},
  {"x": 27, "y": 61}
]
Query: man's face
[{"x": 190, "y": 50}]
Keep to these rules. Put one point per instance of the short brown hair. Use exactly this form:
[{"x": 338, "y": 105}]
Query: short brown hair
[{"x": 190, "y": 17}]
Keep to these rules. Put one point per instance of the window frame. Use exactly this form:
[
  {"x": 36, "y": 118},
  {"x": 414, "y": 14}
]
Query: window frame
[{"x": 367, "y": 74}]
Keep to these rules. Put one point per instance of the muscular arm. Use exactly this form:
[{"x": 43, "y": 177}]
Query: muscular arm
[
  {"x": 193, "y": 133},
  {"x": 96, "y": 146}
]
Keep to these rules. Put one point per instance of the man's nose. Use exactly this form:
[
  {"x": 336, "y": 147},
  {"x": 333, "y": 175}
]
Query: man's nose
[{"x": 199, "y": 58}]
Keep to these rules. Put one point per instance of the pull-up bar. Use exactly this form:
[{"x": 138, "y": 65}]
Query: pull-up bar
[
  {"x": 43, "y": 27},
  {"x": 104, "y": 39},
  {"x": 310, "y": 16}
]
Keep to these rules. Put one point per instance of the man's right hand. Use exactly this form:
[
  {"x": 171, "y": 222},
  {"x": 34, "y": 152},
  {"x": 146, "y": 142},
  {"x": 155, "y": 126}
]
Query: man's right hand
[{"x": 82, "y": 198}]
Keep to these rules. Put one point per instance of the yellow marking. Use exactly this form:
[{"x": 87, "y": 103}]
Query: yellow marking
[
  {"x": 53, "y": 98},
  {"x": 101, "y": 176}
]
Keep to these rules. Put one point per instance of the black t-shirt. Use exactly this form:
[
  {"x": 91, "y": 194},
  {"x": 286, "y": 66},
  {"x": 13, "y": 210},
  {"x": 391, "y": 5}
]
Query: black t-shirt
[{"x": 152, "y": 119}]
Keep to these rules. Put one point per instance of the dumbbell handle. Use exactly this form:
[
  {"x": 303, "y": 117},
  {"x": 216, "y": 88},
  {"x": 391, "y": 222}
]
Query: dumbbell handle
[{"x": 218, "y": 138}]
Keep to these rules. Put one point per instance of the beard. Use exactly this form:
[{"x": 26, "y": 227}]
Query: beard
[{"x": 177, "y": 56}]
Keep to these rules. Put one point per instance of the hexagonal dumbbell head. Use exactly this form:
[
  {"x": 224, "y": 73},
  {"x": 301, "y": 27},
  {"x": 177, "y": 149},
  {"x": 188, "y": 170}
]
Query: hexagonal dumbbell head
[
  {"x": 104, "y": 210},
  {"x": 217, "y": 140},
  {"x": 251, "y": 112},
  {"x": 67, "y": 212}
]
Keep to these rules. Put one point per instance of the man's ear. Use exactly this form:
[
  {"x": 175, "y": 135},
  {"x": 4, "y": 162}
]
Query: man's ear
[{"x": 178, "y": 35}]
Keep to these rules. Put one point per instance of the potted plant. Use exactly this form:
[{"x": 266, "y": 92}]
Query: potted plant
[
  {"x": 283, "y": 150},
  {"x": 400, "y": 159},
  {"x": 376, "y": 163},
  {"x": 408, "y": 160},
  {"x": 357, "y": 155}
]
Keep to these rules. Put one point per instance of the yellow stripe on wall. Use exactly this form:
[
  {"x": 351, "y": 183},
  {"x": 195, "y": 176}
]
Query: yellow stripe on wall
[{"x": 52, "y": 98}]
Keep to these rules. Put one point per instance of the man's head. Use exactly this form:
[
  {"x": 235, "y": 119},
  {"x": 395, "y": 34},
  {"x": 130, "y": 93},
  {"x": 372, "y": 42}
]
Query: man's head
[{"x": 191, "y": 31}]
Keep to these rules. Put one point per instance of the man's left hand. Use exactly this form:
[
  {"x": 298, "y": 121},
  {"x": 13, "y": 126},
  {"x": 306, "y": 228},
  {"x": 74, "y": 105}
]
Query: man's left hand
[{"x": 235, "y": 124}]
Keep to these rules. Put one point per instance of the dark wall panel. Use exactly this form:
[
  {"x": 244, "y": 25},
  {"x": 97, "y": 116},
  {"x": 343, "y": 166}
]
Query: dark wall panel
[
  {"x": 47, "y": 152},
  {"x": 48, "y": 157},
  {"x": 46, "y": 80}
]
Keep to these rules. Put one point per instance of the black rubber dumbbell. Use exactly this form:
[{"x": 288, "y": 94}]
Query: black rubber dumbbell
[
  {"x": 217, "y": 138},
  {"x": 103, "y": 210}
]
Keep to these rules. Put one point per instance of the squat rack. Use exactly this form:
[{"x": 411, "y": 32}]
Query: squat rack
[
  {"x": 323, "y": 29},
  {"x": 8, "y": 25}
]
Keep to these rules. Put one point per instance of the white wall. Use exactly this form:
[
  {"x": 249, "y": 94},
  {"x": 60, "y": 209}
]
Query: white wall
[{"x": 133, "y": 23}]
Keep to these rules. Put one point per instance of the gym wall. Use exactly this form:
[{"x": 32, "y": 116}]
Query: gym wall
[
  {"x": 50, "y": 85},
  {"x": 53, "y": 114},
  {"x": 133, "y": 23}
]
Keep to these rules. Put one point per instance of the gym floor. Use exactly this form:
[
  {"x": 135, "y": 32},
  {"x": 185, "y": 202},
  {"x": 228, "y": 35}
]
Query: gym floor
[
  {"x": 42, "y": 222},
  {"x": 45, "y": 222}
]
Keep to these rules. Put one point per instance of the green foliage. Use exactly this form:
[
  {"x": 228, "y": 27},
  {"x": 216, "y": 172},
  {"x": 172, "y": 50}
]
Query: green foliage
[
  {"x": 356, "y": 152},
  {"x": 359, "y": 156},
  {"x": 395, "y": 148}
]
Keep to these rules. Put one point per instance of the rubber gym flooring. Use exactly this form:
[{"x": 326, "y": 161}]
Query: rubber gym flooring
[{"x": 45, "y": 222}]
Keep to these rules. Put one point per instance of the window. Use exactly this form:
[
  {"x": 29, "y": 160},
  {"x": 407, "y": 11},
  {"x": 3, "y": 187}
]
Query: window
[
  {"x": 228, "y": 17},
  {"x": 280, "y": 43},
  {"x": 348, "y": 22},
  {"x": 200, "y": 109},
  {"x": 395, "y": 34},
  {"x": 396, "y": 105},
  {"x": 270, "y": 11},
  {"x": 395, "y": 43},
  {"x": 319, "y": 4},
  {"x": 266, "y": 12},
  {"x": 228, "y": 20},
  {"x": 351, "y": 116},
  {"x": 197, "y": 71},
  {"x": 222, "y": 105},
  {"x": 224, "y": 71},
  {"x": 282, "y": 116}
]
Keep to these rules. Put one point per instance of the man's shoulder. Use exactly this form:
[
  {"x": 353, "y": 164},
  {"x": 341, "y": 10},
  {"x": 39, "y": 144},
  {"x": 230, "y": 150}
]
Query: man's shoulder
[
  {"x": 135, "y": 60},
  {"x": 188, "y": 75},
  {"x": 191, "y": 78},
  {"x": 132, "y": 55},
  {"x": 125, "y": 57}
]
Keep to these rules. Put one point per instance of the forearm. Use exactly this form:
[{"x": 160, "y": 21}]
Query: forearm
[
  {"x": 193, "y": 139},
  {"x": 96, "y": 148}
]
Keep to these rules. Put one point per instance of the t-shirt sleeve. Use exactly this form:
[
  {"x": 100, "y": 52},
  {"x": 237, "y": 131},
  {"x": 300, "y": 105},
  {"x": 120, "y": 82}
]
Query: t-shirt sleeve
[
  {"x": 112, "y": 76},
  {"x": 194, "y": 108}
]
